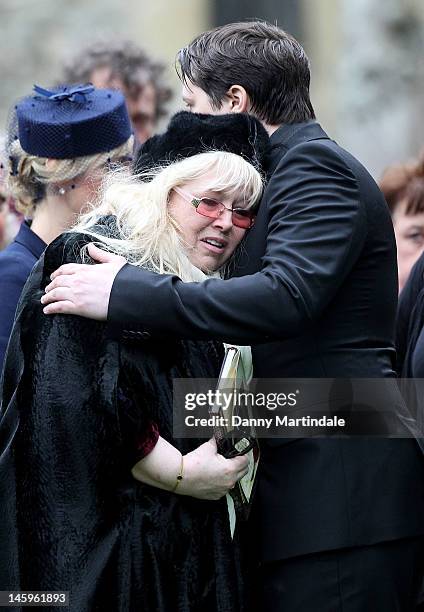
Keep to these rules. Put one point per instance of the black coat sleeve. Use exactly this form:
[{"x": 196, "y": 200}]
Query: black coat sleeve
[{"x": 316, "y": 232}]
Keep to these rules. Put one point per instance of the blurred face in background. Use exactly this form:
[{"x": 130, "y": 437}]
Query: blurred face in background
[
  {"x": 142, "y": 109},
  {"x": 409, "y": 232},
  {"x": 4, "y": 204},
  {"x": 141, "y": 101},
  {"x": 3, "y": 212},
  {"x": 402, "y": 185}
]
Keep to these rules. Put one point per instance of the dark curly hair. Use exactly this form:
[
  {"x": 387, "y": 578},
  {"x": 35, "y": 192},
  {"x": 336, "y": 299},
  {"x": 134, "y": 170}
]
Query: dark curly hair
[{"x": 127, "y": 61}]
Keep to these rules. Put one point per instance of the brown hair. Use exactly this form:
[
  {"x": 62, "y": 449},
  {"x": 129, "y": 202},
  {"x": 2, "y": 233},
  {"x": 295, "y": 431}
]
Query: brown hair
[
  {"x": 405, "y": 182},
  {"x": 269, "y": 63},
  {"x": 127, "y": 61}
]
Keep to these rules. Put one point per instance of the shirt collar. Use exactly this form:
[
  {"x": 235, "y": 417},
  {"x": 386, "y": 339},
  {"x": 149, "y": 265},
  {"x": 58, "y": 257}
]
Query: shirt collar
[
  {"x": 286, "y": 131},
  {"x": 30, "y": 240}
]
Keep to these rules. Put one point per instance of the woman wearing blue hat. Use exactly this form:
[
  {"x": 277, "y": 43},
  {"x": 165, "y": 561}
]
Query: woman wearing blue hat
[
  {"x": 98, "y": 497},
  {"x": 59, "y": 142}
]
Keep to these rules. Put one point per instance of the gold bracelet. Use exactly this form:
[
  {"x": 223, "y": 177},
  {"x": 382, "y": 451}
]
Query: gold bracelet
[{"x": 180, "y": 474}]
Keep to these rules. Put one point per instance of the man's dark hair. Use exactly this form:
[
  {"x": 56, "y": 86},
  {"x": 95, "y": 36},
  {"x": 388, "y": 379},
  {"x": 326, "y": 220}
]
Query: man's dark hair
[
  {"x": 269, "y": 63},
  {"x": 127, "y": 61}
]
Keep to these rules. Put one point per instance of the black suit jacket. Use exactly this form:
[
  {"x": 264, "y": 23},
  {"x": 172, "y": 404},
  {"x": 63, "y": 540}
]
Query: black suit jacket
[{"x": 316, "y": 295}]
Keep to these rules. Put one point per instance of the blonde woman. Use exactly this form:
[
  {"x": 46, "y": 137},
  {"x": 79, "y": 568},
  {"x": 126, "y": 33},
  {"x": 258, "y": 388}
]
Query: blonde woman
[
  {"x": 59, "y": 145},
  {"x": 106, "y": 504}
]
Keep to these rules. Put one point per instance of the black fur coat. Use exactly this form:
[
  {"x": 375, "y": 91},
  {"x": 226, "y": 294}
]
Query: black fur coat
[{"x": 73, "y": 518}]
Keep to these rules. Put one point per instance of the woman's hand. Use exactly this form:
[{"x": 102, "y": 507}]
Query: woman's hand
[
  {"x": 209, "y": 475},
  {"x": 206, "y": 474}
]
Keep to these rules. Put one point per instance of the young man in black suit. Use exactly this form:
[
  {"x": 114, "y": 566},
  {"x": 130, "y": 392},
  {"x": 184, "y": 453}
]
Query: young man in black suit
[{"x": 340, "y": 520}]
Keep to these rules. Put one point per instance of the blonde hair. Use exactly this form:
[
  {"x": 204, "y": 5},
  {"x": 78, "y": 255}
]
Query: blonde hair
[
  {"x": 148, "y": 236},
  {"x": 32, "y": 171}
]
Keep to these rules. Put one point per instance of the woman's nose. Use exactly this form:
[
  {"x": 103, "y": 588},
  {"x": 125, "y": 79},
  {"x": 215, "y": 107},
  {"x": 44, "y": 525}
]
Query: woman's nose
[{"x": 225, "y": 220}]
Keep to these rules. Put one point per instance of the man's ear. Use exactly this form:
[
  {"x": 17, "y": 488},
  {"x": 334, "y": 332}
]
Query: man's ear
[{"x": 237, "y": 99}]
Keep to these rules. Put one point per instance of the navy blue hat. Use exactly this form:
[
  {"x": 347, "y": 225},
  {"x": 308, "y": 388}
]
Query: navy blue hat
[{"x": 72, "y": 121}]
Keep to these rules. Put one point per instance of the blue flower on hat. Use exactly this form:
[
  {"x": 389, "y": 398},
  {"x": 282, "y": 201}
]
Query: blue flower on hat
[{"x": 74, "y": 94}]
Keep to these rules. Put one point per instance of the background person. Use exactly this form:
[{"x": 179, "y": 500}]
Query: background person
[
  {"x": 59, "y": 146},
  {"x": 403, "y": 187},
  {"x": 410, "y": 349},
  {"x": 89, "y": 410},
  {"x": 4, "y": 209},
  {"x": 123, "y": 65},
  {"x": 10, "y": 219},
  {"x": 410, "y": 325}
]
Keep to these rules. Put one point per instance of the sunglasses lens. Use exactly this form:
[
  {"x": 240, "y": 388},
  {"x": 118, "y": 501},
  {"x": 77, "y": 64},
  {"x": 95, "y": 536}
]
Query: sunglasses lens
[
  {"x": 209, "y": 208},
  {"x": 242, "y": 218}
]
